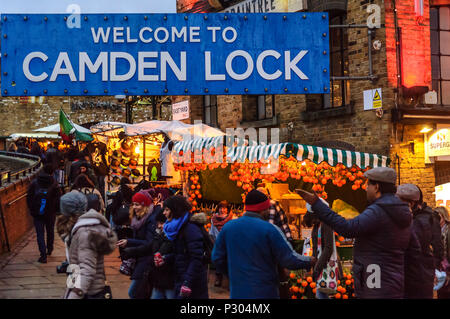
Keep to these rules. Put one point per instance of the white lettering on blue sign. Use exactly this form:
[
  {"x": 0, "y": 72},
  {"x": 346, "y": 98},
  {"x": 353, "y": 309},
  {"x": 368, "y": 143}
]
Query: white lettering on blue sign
[{"x": 173, "y": 54}]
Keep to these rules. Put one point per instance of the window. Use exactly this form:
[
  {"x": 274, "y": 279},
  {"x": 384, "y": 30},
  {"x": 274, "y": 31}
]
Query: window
[
  {"x": 339, "y": 67},
  {"x": 257, "y": 107},
  {"x": 440, "y": 52},
  {"x": 210, "y": 110}
]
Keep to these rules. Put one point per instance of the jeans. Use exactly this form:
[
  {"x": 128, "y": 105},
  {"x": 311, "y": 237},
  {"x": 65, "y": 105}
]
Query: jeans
[
  {"x": 138, "y": 288},
  {"x": 321, "y": 295},
  {"x": 43, "y": 225},
  {"x": 163, "y": 293}
]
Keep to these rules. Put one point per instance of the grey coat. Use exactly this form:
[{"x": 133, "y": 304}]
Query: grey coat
[{"x": 91, "y": 239}]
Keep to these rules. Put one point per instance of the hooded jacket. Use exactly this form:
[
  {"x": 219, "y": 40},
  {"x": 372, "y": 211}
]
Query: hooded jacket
[
  {"x": 382, "y": 232},
  {"x": 47, "y": 181},
  {"x": 91, "y": 239},
  {"x": 190, "y": 270}
]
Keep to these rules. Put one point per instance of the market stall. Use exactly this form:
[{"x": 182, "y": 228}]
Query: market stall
[
  {"x": 141, "y": 151},
  {"x": 336, "y": 175},
  {"x": 43, "y": 139}
]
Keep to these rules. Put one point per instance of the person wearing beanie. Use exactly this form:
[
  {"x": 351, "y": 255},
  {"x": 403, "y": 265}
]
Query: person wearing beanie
[
  {"x": 186, "y": 231},
  {"x": 382, "y": 235},
  {"x": 248, "y": 250},
  {"x": 428, "y": 231},
  {"x": 88, "y": 238},
  {"x": 139, "y": 246},
  {"x": 43, "y": 197}
]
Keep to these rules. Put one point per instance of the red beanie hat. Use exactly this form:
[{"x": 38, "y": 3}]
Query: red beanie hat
[
  {"x": 255, "y": 201},
  {"x": 141, "y": 199}
]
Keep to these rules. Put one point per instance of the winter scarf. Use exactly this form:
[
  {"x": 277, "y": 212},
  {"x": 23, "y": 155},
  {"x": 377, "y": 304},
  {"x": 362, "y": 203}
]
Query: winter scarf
[
  {"x": 171, "y": 228},
  {"x": 218, "y": 222},
  {"x": 136, "y": 223}
]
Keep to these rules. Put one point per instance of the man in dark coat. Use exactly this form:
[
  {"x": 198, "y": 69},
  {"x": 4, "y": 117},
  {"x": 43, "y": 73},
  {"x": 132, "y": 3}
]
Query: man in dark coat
[
  {"x": 43, "y": 203},
  {"x": 427, "y": 229},
  {"x": 382, "y": 232}
]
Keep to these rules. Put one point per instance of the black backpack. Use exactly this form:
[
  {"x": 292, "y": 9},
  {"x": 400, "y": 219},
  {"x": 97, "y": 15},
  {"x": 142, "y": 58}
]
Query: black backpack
[
  {"x": 92, "y": 199},
  {"x": 40, "y": 199},
  {"x": 122, "y": 215}
]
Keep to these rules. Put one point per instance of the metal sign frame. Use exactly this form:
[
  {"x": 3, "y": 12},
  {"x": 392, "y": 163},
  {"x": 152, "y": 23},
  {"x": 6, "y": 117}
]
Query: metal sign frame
[{"x": 165, "y": 54}]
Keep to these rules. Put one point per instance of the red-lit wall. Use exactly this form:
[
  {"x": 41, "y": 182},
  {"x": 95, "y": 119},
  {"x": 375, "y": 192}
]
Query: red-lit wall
[
  {"x": 415, "y": 44},
  {"x": 194, "y": 6}
]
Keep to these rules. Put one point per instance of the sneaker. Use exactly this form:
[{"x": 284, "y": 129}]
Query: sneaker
[{"x": 42, "y": 260}]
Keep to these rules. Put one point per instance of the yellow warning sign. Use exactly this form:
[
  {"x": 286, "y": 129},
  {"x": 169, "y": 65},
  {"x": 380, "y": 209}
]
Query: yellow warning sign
[{"x": 376, "y": 100}]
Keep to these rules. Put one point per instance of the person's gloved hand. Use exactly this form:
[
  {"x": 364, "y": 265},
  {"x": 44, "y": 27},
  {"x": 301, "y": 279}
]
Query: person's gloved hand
[
  {"x": 158, "y": 259},
  {"x": 185, "y": 292}
]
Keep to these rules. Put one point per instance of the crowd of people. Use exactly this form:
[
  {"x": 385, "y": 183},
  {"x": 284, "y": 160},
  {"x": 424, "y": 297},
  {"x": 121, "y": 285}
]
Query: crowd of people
[{"x": 166, "y": 250}]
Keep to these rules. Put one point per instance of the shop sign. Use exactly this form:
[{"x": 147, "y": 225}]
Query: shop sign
[
  {"x": 373, "y": 99},
  {"x": 165, "y": 54},
  {"x": 264, "y": 6},
  {"x": 439, "y": 143},
  {"x": 180, "y": 110}
]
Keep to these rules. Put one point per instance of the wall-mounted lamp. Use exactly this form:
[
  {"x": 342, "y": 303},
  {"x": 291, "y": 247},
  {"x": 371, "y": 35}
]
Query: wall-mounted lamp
[{"x": 426, "y": 129}]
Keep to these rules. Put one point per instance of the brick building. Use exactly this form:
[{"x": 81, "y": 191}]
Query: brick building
[{"x": 411, "y": 60}]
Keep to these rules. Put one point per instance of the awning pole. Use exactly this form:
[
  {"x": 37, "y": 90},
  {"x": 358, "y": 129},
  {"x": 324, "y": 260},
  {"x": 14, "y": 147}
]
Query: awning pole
[{"x": 143, "y": 163}]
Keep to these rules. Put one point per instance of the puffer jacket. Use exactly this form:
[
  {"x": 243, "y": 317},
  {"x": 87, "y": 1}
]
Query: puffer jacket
[
  {"x": 190, "y": 269},
  {"x": 382, "y": 232},
  {"x": 91, "y": 239}
]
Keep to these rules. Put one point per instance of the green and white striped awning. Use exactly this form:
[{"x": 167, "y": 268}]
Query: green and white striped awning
[{"x": 301, "y": 152}]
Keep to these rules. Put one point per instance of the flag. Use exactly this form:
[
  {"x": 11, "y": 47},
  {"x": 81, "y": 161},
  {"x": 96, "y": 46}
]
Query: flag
[{"x": 67, "y": 130}]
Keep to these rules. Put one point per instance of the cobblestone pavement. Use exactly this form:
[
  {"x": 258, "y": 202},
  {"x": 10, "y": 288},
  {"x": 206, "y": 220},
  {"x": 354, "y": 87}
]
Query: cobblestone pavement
[{"x": 22, "y": 277}]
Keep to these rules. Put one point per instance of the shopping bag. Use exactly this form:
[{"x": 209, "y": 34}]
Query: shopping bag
[{"x": 327, "y": 279}]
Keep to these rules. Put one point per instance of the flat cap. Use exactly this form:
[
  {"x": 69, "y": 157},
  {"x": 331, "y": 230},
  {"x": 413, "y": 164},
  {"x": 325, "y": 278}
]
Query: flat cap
[
  {"x": 381, "y": 174},
  {"x": 408, "y": 192}
]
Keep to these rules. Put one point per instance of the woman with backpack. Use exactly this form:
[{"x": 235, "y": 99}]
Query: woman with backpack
[
  {"x": 84, "y": 185},
  {"x": 187, "y": 232},
  {"x": 139, "y": 246}
]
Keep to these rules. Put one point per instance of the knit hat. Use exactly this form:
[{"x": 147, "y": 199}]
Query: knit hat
[
  {"x": 73, "y": 203},
  {"x": 141, "y": 199},
  {"x": 255, "y": 201}
]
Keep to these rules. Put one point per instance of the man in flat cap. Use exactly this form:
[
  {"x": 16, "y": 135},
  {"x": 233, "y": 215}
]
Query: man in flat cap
[
  {"x": 382, "y": 232},
  {"x": 427, "y": 229}
]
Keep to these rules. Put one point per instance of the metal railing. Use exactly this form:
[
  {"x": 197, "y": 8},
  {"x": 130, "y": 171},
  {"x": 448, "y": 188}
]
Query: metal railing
[{"x": 11, "y": 176}]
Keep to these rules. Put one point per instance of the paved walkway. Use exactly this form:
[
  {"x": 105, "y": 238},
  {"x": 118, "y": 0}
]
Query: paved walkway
[{"x": 22, "y": 277}]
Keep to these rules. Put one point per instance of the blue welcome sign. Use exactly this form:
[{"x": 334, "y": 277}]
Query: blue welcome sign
[{"x": 165, "y": 54}]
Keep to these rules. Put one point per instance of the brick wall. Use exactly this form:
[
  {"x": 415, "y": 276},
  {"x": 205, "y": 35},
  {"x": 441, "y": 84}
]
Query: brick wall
[
  {"x": 16, "y": 117},
  {"x": 17, "y": 219},
  {"x": 413, "y": 169},
  {"x": 362, "y": 129},
  {"x": 415, "y": 44}
]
